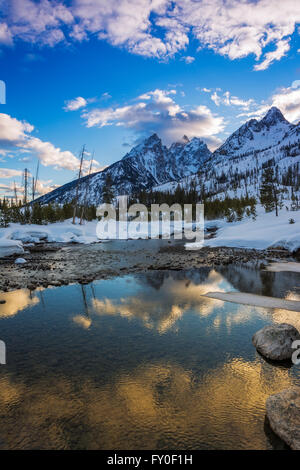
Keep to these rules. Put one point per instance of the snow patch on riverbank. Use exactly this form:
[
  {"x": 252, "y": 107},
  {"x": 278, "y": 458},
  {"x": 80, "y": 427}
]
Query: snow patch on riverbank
[
  {"x": 266, "y": 231},
  {"x": 10, "y": 247},
  {"x": 13, "y": 237}
]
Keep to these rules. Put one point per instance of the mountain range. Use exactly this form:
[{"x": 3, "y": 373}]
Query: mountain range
[{"x": 235, "y": 168}]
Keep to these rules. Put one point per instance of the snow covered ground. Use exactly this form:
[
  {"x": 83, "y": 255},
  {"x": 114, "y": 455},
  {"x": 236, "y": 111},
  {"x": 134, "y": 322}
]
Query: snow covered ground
[
  {"x": 264, "y": 232},
  {"x": 16, "y": 237}
]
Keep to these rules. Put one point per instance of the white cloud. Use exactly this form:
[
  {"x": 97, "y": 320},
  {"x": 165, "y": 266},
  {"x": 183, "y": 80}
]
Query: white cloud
[
  {"x": 105, "y": 96},
  {"x": 49, "y": 155},
  {"x": 157, "y": 111},
  {"x": 75, "y": 104},
  {"x": 296, "y": 84},
  {"x": 9, "y": 173},
  {"x": 40, "y": 22},
  {"x": 286, "y": 99},
  {"x": 228, "y": 100},
  {"x": 216, "y": 98},
  {"x": 188, "y": 59},
  {"x": 44, "y": 187},
  {"x": 159, "y": 28},
  {"x": 5, "y": 35},
  {"x": 15, "y": 134},
  {"x": 281, "y": 49}
]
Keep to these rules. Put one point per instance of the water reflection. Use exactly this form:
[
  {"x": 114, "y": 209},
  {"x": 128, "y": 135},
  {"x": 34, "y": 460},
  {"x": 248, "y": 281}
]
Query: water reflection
[
  {"x": 160, "y": 310},
  {"x": 16, "y": 301},
  {"x": 154, "y": 406},
  {"x": 140, "y": 362}
]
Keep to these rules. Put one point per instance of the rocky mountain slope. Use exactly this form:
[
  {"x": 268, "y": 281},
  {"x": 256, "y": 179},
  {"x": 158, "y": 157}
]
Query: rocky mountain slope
[
  {"x": 234, "y": 169},
  {"x": 146, "y": 165}
]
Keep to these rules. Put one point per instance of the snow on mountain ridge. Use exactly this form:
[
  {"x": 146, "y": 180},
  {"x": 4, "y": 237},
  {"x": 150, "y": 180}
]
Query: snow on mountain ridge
[
  {"x": 255, "y": 135},
  {"x": 233, "y": 169},
  {"x": 147, "y": 164}
]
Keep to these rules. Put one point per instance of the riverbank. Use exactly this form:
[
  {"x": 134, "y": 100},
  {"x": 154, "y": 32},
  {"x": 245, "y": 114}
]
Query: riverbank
[{"x": 56, "y": 264}]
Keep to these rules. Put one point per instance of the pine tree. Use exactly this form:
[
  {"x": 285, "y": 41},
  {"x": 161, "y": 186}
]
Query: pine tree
[
  {"x": 4, "y": 214},
  {"x": 37, "y": 214},
  {"x": 107, "y": 192},
  {"x": 269, "y": 192}
]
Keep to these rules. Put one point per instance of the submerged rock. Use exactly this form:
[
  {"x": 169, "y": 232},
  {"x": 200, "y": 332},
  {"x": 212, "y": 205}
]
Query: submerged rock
[
  {"x": 275, "y": 341},
  {"x": 283, "y": 412}
]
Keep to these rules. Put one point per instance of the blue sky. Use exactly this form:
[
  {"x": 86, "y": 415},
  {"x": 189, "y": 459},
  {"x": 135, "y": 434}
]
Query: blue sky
[{"x": 107, "y": 74}]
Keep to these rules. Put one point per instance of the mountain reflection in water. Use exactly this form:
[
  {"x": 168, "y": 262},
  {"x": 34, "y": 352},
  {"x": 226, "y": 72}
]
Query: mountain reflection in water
[{"x": 141, "y": 362}]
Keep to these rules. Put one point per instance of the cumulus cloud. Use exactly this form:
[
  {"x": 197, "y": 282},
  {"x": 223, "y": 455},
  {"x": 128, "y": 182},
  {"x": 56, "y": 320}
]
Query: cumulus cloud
[
  {"x": 287, "y": 99},
  {"x": 15, "y": 134},
  {"x": 188, "y": 59},
  {"x": 32, "y": 21},
  {"x": 157, "y": 111},
  {"x": 281, "y": 49},
  {"x": 75, "y": 104},
  {"x": 159, "y": 28},
  {"x": 6, "y": 36},
  {"x": 9, "y": 173},
  {"x": 229, "y": 100},
  {"x": 44, "y": 187}
]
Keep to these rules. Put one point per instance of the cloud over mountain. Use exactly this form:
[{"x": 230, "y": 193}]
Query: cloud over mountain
[{"x": 157, "y": 111}]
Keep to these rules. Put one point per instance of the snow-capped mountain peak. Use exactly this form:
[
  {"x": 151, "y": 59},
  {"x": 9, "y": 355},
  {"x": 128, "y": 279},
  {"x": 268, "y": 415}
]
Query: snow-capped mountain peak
[
  {"x": 147, "y": 164},
  {"x": 273, "y": 117},
  {"x": 239, "y": 161},
  {"x": 256, "y": 135}
]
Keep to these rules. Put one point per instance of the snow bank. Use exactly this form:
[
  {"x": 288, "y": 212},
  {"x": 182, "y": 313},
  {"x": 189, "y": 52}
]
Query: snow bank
[
  {"x": 255, "y": 300},
  {"x": 66, "y": 232},
  {"x": 265, "y": 232},
  {"x": 10, "y": 247},
  {"x": 13, "y": 237}
]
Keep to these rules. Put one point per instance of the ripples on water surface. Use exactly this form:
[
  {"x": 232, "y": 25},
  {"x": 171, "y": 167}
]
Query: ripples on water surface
[{"x": 141, "y": 362}]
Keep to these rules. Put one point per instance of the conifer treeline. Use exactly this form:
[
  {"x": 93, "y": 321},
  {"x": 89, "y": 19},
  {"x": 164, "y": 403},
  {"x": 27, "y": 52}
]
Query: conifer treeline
[
  {"x": 36, "y": 213},
  {"x": 231, "y": 208},
  {"x": 271, "y": 196}
]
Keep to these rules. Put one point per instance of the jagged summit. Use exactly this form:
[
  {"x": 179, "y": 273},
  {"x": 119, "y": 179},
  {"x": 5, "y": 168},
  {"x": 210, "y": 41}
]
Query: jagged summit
[
  {"x": 147, "y": 164},
  {"x": 255, "y": 135},
  {"x": 273, "y": 116},
  {"x": 153, "y": 139},
  {"x": 271, "y": 140}
]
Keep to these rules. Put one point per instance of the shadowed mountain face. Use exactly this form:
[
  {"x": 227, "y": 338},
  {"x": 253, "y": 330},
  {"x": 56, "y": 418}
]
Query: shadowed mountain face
[
  {"x": 235, "y": 169},
  {"x": 272, "y": 141},
  {"x": 256, "y": 135},
  {"x": 146, "y": 165}
]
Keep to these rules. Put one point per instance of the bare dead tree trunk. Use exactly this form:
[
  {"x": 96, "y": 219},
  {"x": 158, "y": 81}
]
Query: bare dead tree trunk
[
  {"x": 86, "y": 191},
  {"x": 77, "y": 187}
]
